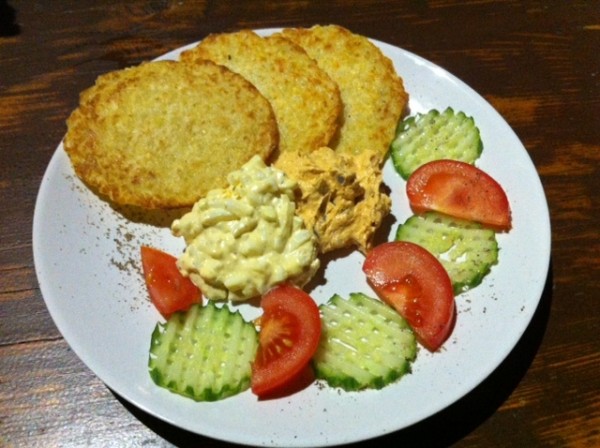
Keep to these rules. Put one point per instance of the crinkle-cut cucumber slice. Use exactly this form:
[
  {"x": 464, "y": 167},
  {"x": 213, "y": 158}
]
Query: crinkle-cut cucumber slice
[
  {"x": 422, "y": 138},
  {"x": 364, "y": 344},
  {"x": 204, "y": 353},
  {"x": 466, "y": 249}
]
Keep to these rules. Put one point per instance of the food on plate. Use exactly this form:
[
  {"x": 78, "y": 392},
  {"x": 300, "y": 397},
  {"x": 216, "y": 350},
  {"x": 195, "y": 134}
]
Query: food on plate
[
  {"x": 290, "y": 330},
  {"x": 169, "y": 290},
  {"x": 154, "y": 135},
  {"x": 239, "y": 240},
  {"x": 364, "y": 344},
  {"x": 342, "y": 199},
  {"x": 461, "y": 190},
  {"x": 372, "y": 92},
  {"x": 430, "y": 136},
  {"x": 305, "y": 100},
  {"x": 465, "y": 248},
  {"x": 411, "y": 280},
  {"x": 204, "y": 353},
  {"x": 278, "y": 142},
  {"x": 244, "y": 239}
]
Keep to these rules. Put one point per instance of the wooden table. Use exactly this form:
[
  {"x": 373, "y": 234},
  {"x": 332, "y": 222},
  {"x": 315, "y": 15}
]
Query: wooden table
[{"x": 536, "y": 62}]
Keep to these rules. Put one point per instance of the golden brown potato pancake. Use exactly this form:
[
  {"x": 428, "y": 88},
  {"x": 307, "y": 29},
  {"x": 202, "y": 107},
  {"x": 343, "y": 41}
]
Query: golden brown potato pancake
[
  {"x": 372, "y": 93},
  {"x": 162, "y": 134},
  {"x": 305, "y": 100}
]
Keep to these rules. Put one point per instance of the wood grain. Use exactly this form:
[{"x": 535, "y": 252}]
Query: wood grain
[{"x": 536, "y": 62}]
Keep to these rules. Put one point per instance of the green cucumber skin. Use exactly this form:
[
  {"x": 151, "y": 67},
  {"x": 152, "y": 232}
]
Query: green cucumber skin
[
  {"x": 442, "y": 235},
  {"x": 370, "y": 322},
  {"x": 407, "y": 155},
  {"x": 203, "y": 371}
]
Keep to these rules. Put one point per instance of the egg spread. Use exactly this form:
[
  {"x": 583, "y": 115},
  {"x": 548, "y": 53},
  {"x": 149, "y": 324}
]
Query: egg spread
[{"x": 246, "y": 238}]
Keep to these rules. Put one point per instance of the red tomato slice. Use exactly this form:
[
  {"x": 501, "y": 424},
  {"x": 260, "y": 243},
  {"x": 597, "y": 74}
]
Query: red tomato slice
[
  {"x": 413, "y": 281},
  {"x": 290, "y": 329},
  {"x": 461, "y": 190},
  {"x": 169, "y": 290}
]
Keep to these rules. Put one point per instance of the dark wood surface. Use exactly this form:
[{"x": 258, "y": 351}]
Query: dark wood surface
[{"x": 536, "y": 62}]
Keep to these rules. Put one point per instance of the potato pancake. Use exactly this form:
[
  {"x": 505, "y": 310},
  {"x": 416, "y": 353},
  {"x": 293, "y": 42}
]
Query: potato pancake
[
  {"x": 372, "y": 93},
  {"x": 305, "y": 100},
  {"x": 162, "y": 134}
]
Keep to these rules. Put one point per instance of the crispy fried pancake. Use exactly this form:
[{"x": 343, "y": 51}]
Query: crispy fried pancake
[
  {"x": 162, "y": 134},
  {"x": 305, "y": 100},
  {"x": 372, "y": 93}
]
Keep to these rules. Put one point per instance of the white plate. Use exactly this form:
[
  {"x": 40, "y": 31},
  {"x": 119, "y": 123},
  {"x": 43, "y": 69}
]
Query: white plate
[{"x": 87, "y": 262}]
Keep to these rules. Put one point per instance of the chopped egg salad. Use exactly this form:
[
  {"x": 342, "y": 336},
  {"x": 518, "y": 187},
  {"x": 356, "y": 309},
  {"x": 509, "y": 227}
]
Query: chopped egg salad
[{"x": 246, "y": 238}]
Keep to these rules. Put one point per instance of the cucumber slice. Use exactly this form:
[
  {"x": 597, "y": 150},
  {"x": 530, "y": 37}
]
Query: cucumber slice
[
  {"x": 466, "y": 249},
  {"x": 204, "y": 353},
  {"x": 364, "y": 344},
  {"x": 432, "y": 136}
]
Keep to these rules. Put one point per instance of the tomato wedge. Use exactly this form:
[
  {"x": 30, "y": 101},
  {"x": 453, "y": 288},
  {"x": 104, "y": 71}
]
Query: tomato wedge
[
  {"x": 169, "y": 290},
  {"x": 290, "y": 329},
  {"x": 461, "y": 190},
  {"x": 411, "y": 280}
]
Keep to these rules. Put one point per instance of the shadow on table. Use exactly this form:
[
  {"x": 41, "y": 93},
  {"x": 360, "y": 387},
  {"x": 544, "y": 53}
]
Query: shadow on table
[
  {"x": 8, "y": 20},
  {"x": 440, "y": 430}
]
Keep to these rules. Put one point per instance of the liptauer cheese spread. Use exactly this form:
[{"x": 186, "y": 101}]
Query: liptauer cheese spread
[{"x": 246, "y": 238}]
